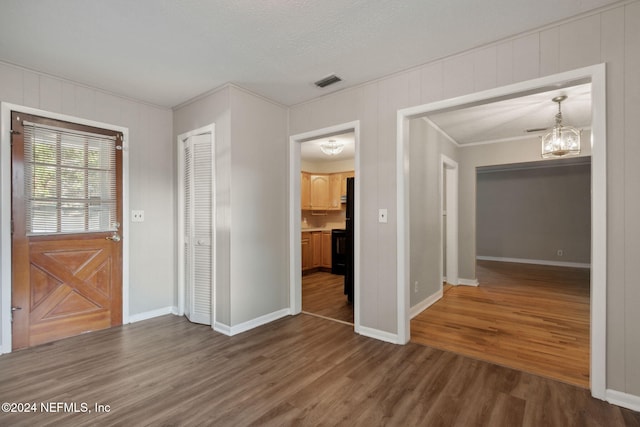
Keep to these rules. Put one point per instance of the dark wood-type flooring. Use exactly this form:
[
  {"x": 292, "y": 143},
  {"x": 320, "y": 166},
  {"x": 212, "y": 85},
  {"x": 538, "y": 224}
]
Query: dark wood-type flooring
[
  {"x": 300, "y": 370},
  {"x": 323, "y": 294},
  {"x": 529, "y": 317}
]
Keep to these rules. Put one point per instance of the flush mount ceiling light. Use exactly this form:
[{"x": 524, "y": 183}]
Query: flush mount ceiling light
[
  {"x": 561, "y": 140},
  {"x": 332, "y": 147}
]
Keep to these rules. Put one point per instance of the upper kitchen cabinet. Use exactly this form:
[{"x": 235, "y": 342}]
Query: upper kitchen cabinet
[
  {"x": 322, "y": 191},
  {"x": 305, "y": 190},
  {"x": 335, "y": 182},
  {"x": 319, "y": 192},
  {"x": 343, "y": 183}
]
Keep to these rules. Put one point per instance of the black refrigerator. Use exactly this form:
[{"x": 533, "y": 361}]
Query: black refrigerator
[{"x": 348, "y": 276}]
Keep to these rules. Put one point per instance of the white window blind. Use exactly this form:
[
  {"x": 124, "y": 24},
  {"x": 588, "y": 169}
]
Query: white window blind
[{"x": 70, "y": 180}]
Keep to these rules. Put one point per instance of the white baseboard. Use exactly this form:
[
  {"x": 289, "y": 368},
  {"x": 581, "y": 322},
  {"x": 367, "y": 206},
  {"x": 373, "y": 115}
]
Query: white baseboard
[
  {"x": 153, "y": 313},
  {"x": 379, "y": 335},
  {"x": 629, "y": 401},
  {"x": 424, "y": 304},
  {"x": 534, "y": 261},
  {"x": 222, "y": 328},
  {"x": 468, "y": 282},
  {"x": 250, "y": 324}
]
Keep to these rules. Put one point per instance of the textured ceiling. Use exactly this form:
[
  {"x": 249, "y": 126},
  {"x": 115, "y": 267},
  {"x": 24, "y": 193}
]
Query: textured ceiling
[{"x": 168, "y": 51}]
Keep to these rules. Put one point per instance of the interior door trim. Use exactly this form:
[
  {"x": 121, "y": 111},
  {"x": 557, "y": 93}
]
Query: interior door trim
[
  {"x": 5, "y": 211},
  {"x": 181, "y": 139},
  {"x": 295, "y": 251},
  {"x": 596, "y": 74}
]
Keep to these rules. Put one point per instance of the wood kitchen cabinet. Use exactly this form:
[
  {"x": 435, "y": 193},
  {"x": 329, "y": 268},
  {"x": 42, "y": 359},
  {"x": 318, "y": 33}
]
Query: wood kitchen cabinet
[
  {"x": 306, "y": 252},
  {"x": 343, "y": 181},
  {"x": 305, "y": 190},
  {"x": 316, "y": 250},
  {"x": 326, "y": 249},
  {"x": 316, "y": 238},
  {"x": 335, "y": 182},
  {"x": 320, "y": 192},
  {"x": 323, "y": 191}
]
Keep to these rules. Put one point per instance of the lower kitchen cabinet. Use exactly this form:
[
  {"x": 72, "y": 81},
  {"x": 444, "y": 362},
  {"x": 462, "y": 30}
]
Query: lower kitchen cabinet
[
  {"x": 307, "y": 252},
  {"x": 316, "y": 250},
  {"x": 326, "y": 249}
]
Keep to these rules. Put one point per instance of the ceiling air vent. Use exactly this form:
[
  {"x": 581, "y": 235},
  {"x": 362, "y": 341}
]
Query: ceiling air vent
[{"x": 329, "y": 80}]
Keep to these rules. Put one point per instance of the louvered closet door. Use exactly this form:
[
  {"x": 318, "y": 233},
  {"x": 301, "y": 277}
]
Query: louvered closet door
[{"x": 198, "y": 228}]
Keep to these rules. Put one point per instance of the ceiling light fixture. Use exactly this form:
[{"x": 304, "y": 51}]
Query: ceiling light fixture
[
  {"x": 561, "y": 140},
  {"x": 332, "y": 147}
]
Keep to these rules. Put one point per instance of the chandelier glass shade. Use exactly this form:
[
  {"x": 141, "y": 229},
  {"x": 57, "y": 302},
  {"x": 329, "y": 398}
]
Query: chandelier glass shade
[
  {"x": 332, "y": 147},
  {"x": 561, "y": 140}
]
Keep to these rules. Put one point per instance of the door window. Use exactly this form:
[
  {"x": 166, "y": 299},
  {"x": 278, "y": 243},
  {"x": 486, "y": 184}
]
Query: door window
[{"x": 70, "y": 180}]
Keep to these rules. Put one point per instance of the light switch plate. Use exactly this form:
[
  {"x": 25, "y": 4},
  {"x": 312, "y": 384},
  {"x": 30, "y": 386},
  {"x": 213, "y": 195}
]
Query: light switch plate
[
  {"x": 382, "y": 216},
  {"x": 137, "y": 216}
]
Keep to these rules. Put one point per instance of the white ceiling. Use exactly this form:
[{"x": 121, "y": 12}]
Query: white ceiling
[
  {"x": 167, "y": 51},
  {"x": 509, "y": 119}
]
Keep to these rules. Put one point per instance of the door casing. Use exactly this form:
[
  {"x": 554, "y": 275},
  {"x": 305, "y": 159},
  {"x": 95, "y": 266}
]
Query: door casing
[
  {"x": 5, "y": 211},
  {"x": 596, "y": 75},
  {"x": 449, "y": 233},
  {"x": 209, "y": 129},
  {"x": 295, "y": 250}
]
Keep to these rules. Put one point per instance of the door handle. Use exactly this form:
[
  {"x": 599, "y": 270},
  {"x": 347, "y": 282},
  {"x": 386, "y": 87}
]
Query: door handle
[
  {"x": 14, "y": 308},
  {"x": 115, "y": 237}
]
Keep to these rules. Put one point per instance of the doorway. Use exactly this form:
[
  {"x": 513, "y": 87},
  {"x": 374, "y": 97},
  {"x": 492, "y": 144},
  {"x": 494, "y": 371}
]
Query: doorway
[
  {"x": 325, "y": 260},
  {"x": 327, "y": 165},
  {"x": 67, "y": 214},
  {"x": 6, "y": 272},
  {"x": 449, "y": 223},
  {"x": 196, "y": 225},
  {"x": 593, "y": 75}
]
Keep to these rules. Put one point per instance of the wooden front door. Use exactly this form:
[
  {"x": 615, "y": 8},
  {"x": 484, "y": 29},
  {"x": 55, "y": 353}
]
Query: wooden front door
[{"x": 66, "y": 214}]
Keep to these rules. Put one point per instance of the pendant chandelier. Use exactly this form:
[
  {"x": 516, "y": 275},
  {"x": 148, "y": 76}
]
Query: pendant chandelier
[
  {"x": 561, "y": 140},
  {"x": 332, "y": 147}
]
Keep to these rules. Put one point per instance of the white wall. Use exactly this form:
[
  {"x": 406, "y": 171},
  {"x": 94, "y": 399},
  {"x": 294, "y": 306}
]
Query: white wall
[
  {"x": 328, "y": 167},
  {"x": 259, "y": 207},
  {"x": 214, "y": 108},
  {"x": 611, "y": 36},
  {"x": 251, "y": 194},
  {"x": 152, "y": 257},
  {"x": 375, "y": 105},
  {"x": 426, "y": 146},
  {"x": 532, "y": 213},
  {"x": 501, "y": 153}
]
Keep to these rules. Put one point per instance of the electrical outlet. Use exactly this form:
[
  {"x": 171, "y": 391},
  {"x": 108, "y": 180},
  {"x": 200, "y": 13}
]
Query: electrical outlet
[
  {"x": 137, "y": 216},
  {"x": 560, "y": 252},
  {"x": 415, "y": 286}
]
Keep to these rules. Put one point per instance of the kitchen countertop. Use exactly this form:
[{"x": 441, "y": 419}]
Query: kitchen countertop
[{"x": 315, "y": 229}]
